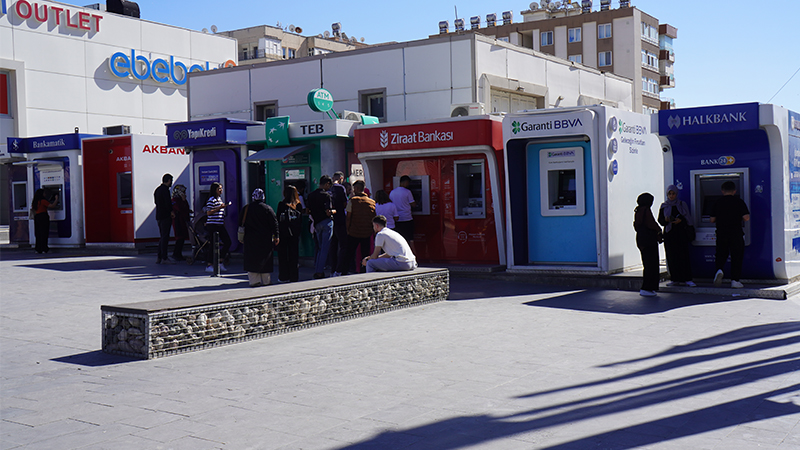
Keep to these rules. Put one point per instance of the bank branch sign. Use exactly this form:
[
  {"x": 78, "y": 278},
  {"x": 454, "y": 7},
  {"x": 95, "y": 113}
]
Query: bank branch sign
[
  {"x": 161, "y": 70},
  {"x": 320, "y": 100}
]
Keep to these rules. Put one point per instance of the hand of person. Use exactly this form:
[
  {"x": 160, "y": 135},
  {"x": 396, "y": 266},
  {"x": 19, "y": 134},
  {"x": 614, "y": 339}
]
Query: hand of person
[
  {"x": 677, "y": 220},
  {"x": 364, "y": 261},
  {"x": 276, "y": 241}
]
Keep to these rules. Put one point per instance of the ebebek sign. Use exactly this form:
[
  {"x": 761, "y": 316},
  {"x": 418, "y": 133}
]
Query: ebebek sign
[{"x": 160, "y": 70}]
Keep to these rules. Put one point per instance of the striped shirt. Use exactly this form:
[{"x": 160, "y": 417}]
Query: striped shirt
[{"x": 217, "y": 218}]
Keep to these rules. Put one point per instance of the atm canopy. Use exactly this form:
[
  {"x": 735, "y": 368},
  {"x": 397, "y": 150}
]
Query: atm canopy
[
  {"x": 208, "y": 132},
  {"x": 54, "y": 142},
  {"x": 277, "y": 153}
]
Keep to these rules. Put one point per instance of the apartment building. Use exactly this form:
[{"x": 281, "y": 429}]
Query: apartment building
[{"x": 624, "y": 41}]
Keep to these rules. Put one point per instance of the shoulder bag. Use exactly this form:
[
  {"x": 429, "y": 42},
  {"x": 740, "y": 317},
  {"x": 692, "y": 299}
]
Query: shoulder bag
[{"x": 240, "y": 231}]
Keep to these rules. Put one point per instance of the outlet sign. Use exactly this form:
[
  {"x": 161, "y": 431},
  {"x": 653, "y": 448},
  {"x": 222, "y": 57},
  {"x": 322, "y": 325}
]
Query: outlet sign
[{"x": 57, "y": 14}]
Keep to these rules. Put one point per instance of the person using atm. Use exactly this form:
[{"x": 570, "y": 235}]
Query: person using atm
[
  {"x": 41, "y": 219},
  {"x": 730, "y": 212}
]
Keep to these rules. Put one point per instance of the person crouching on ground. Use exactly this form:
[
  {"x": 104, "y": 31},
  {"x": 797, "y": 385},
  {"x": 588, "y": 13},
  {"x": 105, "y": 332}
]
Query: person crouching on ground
[
  {"x": 648, "y": 236},
  {"x": 397, "y": 256}
]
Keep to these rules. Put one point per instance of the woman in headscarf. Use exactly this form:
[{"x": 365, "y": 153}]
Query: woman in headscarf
[
  {"x": 676, "y": 218},
  {"x": 180, "y": 221},
  {"x": 648, "y": 236},
  {"x": 290, "y": 213},
  {"x": 260, "y": 237}
]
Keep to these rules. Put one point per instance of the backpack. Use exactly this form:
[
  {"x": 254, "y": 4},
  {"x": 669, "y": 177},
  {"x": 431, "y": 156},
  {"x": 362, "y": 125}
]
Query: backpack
[{"x": 289, "y": 221}]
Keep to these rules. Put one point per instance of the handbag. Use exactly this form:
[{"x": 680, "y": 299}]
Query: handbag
[{"x": 240, "y": 231}]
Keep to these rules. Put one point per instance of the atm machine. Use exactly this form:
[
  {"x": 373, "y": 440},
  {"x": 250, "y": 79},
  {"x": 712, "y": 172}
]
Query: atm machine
[
  {"x": 748, "y": 144},
  {"x": 53, "y": 163}
]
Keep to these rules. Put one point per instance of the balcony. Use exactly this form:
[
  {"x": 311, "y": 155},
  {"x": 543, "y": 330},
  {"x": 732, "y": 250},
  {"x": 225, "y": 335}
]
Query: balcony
[
  {"x": 667, "y": 81},
  {"x": 666, "y": 55},
  {"x": 667, "y": 103}
]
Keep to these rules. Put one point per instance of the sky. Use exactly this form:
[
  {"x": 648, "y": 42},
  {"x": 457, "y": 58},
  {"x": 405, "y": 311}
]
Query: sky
[{"x": 726, "y": 51}]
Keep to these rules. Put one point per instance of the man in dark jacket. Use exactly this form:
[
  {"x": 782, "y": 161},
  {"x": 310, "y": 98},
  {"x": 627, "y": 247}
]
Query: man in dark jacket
[
  {"x": 360, "y": 212},
  {"x": 164, "y": 215},
  {"x": 338, "y": 248},
  {"x": 319, "y": 204}
]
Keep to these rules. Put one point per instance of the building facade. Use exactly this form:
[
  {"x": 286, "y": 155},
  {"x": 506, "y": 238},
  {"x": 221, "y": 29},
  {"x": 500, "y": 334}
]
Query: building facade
[
  {"x": 624, "y": 41},
  {"x": 65, "y": 68}
]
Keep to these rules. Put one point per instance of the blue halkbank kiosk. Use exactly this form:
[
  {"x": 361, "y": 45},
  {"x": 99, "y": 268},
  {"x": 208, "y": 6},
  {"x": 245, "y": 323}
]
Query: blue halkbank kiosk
[{"x": 757, "y": 146}]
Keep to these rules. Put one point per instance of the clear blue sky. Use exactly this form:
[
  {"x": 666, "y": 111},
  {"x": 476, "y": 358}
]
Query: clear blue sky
[{"x": 726, "y": 52}]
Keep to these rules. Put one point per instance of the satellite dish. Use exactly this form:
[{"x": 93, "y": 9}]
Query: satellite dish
[
  {"x": 362, "y": 40},
  {"x": 291, "y": 28},
  {"x": 344, "y": 36},
  {"x": 534, "y": 6},
  {"x": 354, "y": 39},
  {"x": 327, "y": 34},
  {"x": 320, "y": 35},
  {"x": 205, "y": 30},
  {"x": 213, "y": 28},
  {"x": 298, "y": 30}
]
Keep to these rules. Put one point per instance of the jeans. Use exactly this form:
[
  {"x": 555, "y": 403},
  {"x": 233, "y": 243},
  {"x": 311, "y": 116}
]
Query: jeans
[
  {"x": 164, "y": 225},
  {"x": 389, "y": 265},
  {"x": 323, "y": 231}
]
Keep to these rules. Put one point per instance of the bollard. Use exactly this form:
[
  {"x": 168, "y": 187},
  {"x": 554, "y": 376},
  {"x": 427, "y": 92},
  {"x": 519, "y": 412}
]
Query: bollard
[{"x": 215, "y": 246}]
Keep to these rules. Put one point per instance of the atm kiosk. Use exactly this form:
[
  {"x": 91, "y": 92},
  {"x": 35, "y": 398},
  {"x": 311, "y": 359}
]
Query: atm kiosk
[
  {"x": 572, "y": 179},
  {"x": 217, "y": 149},
  {"x": 755, "y": 146},
  {"x": 53, "y": 163}
]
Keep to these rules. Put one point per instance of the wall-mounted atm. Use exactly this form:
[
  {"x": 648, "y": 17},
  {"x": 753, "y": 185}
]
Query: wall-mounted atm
[
  {"x": 756, "y": 147},
  {"x": 52, "y": 163}
]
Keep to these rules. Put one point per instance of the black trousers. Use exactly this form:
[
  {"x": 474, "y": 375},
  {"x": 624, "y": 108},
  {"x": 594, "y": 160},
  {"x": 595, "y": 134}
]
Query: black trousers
[
  {"x": 353, "y": 243},
  {"x": 338, "y": 249},
  {"x": 288, "y": 258},
  {"x": 650, "y": 275},
  {"x": 224, "y": 239},
  {"x": 733, "y": 246},
  {"x": 676, "y": 246},
  {"x": 41, "y": 231},
  {"x": 164, "y": 225}
]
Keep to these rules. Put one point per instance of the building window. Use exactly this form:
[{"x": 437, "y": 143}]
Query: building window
[
  {"x": 262, "y": 111},
  {"x": 4, "y": 97},
  {"x": 604, "y": 31},
  {"x": 650, "y": 85},
  {"x": 649, "y": 33},
  {"x": 547, "y": 38},
  {"x": 289, "y": 53},
  {"x": 373, "y": 103},
  {"x": 503, "y": 39},
  {"x": 576, "y": 58},
  {"x": 244, "y": 54},
  {"x": 470, "y": 189},
  {"x": 574, "y": 34},
  {"x": 604, "y": 59},
  {"x": 649, "y": 59}
]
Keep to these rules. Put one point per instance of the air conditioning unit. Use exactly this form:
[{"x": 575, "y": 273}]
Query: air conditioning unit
[
  {"x": 351, "y": 115},
  {"x": 467, "y": 109},
  {"x": 117, "y": 130}
]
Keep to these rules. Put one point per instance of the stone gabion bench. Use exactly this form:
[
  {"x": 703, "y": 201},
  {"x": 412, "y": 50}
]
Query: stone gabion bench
[{"x": 154, "y": 329}]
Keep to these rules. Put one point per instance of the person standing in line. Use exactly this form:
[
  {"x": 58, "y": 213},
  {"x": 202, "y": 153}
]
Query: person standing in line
[
  {"x": 675, "y": 217},
  {"x": 261, "y": 235},
  {"x": 339, "y": 241},
  {"x": 360, "y": 212},
  {"x": 397, "y": 254},
  {"x": 648, "y": 236},
  {"x": 321, "y": 209},
  {"x": 729, "y": 214},
  {"x": 289, "y": 226},
  {"x": 180, "y": 222},
  {"x": 404, "y": 201},
  {"x": 164, "y": 216},
  {"x": 41, "y": 219},
  {"x": 385, "y": 207},
  {"x": 215, "y": 223}
]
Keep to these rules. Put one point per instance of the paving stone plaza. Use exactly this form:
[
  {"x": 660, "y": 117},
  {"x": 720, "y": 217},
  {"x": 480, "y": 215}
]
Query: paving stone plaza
[{"x": 500, "y": 365}]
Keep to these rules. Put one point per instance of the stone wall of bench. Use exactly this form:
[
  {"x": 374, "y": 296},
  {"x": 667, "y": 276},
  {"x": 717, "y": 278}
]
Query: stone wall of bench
[{"x": 154, "y": 329}]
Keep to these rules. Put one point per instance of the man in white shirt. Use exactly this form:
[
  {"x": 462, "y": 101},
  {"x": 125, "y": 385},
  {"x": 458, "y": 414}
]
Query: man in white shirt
[
  {"x": 398, "y": 255},
  {"x": 404, "y": 201}
]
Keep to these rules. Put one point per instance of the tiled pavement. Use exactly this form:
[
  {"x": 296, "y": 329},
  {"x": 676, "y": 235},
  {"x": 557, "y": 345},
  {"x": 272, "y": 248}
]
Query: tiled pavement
[{"x": 499, "y": 366}]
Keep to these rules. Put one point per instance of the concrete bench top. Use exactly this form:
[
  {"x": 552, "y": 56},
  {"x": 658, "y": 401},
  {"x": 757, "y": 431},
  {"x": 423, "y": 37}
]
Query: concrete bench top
[{"x": 238, "y": 294}]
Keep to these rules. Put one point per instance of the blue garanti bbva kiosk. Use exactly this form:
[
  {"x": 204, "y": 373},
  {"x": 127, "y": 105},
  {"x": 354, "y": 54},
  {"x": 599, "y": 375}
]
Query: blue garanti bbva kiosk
[{"x": 758, "y": 148}]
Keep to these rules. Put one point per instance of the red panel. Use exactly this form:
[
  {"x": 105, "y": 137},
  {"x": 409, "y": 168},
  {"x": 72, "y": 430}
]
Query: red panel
[
  {"x": 449, "y": 133},
  {"x": 3, "y": 93},
  {"x": 102, "y": 160}
]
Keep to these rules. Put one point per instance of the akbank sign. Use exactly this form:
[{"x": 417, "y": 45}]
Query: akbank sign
[
  {"x": 161, "y": 70},
  {"x": 712, "y": 119}
]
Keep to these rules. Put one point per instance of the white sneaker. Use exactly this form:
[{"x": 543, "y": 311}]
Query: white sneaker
[
  {"x": 691, "y": 284},
  {"x": 222, "y": 268},
  {"x": 736, "y": 285},
  {"x": 209, "y": 269},
  {"x": 644, "y": 293},
  {"x": 336, "y": 274},
  {"x": 718, "y": 278}
]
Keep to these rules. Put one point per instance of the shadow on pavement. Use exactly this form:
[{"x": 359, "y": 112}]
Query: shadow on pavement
[
  {"x": 465, "y": 431},
  {"x": 462, "y": 288},
  {"x": 94, "y": 359},
  {"x": 130, "y": 267}
]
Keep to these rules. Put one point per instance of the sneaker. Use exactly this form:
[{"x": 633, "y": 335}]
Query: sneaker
[
  {"x": 222, "y": 268},
  {"x": 167, "y": 261},
  {"x": 644, "y": 293},
  {"x": 691, "y": 284},
  {"x": 209, "y": 269},
  {"x": 736, "y": 285},
  {"x": 336, "y": 274},
  {"x": 718, "y": 278}
]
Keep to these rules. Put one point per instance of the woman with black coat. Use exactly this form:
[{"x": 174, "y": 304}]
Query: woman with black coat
[
  {"x": 648, "y": 236},
  {"x": 260, "y": 237},
  {"x": 676, "y": 218},
  {"x": 289, "y": 223}
]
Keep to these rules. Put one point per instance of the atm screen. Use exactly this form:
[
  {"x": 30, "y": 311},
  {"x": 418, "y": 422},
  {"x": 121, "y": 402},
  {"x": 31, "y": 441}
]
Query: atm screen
[
  {"x": 566, "y": 188},
  {"x": 710, "y": 190}
]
